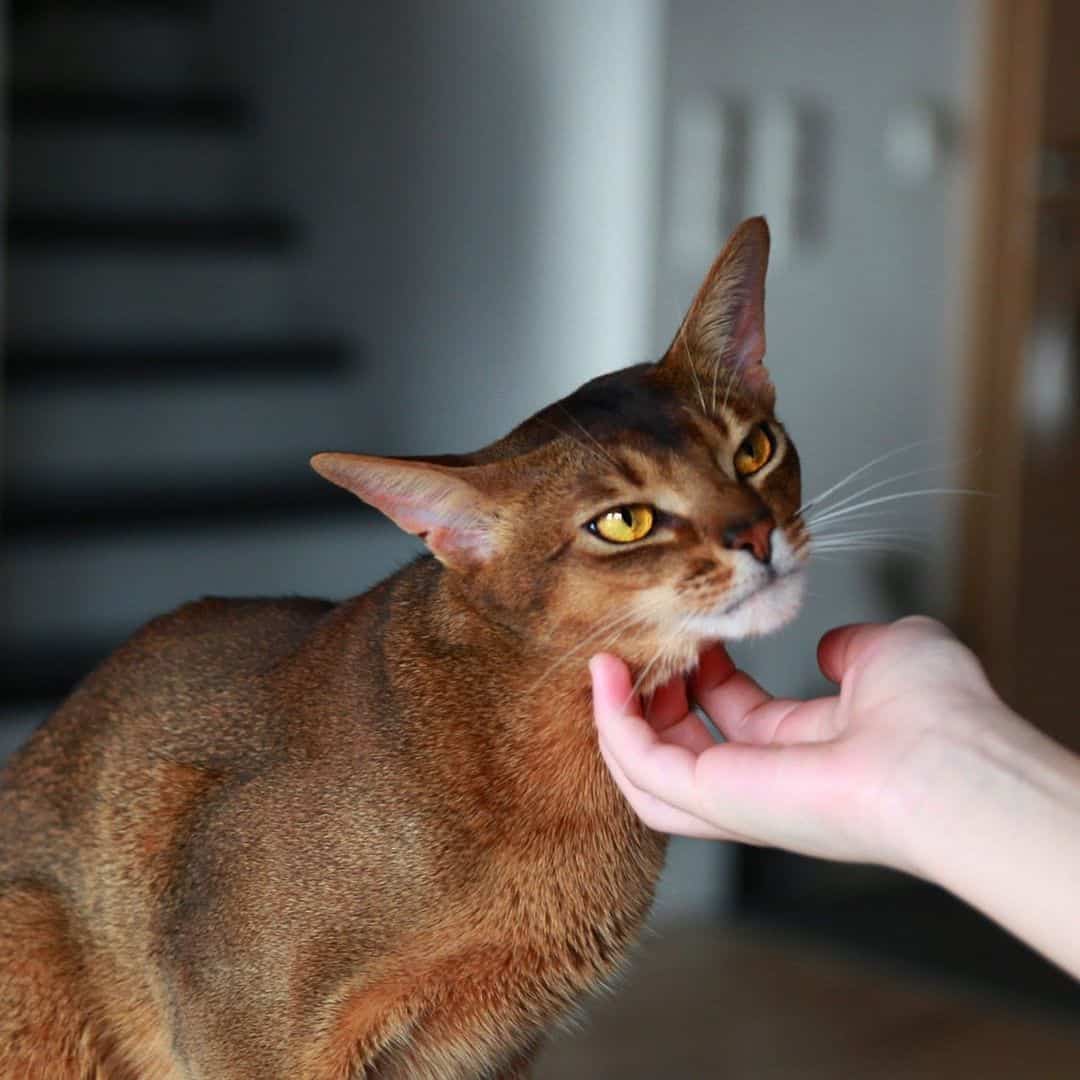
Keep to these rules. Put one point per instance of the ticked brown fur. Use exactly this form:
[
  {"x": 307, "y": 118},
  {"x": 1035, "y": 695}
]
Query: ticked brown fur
[{"x": 288, "y": 838}]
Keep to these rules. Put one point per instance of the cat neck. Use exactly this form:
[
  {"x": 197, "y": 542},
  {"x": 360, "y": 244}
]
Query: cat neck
[{"x": 518, "y": 702}]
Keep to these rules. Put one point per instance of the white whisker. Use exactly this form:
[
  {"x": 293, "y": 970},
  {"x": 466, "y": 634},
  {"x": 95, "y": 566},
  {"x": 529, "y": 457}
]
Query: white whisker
[
  {"x": 885, "y": 483},
  {"x": 641, "y": 678},
  {"x": 860, "y": 470},
  {"x": 830, "y": 515},
  {"x": 588, "y": 434},
  {"x": 867, "y": 545},
  {"x": 819, "y": 540},
  {"x": 616, "y": 625},
  {"x": 620, "y": 621},
  {"x": 736, "y": 375},
  {"x": 574, "y": 439},
  {"x": 693, "y": 368}
]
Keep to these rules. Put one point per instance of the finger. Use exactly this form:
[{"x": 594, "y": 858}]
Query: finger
[
  {"x": 714, "y": 668},
  {"x": 656, "y": 813},
  {"x": 771, "y": 795},
  {"x": 662, "y": 769},
  {"x": 787, "y": 722},
  {"x": 690, "y": 733},
  {"x": 668, "y": 705},
  {"x": 843, "y": 646},
  {"x": 731, "y": 702},
  {"x": 668, "y": 713},
  {"x": 613, "y": 692}
]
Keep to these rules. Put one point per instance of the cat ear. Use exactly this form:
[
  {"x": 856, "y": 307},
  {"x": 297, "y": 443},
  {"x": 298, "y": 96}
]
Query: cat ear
[
  {"x": 725, "y": 326},
  {"x": 442, "y": 505}
]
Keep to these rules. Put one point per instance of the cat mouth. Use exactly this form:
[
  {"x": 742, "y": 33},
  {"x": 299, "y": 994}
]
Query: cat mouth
[
  {"x": 773, "y": 577},
  {"x": 767, "y": 605}
]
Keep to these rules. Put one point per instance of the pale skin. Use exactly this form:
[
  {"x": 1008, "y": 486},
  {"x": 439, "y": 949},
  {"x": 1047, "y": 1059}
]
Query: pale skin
[{"x": 915, "y": 764}]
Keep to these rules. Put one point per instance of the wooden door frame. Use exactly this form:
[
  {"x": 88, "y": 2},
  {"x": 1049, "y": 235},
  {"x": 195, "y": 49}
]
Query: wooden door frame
[{"x": 998, "y": 315}]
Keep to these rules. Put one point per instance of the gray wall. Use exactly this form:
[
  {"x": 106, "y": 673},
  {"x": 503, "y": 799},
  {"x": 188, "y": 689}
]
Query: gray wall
[{"x": 478, "y": 183}]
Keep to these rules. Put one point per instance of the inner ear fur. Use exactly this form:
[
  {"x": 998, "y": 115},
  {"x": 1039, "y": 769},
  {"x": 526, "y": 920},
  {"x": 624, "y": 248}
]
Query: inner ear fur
[
  {"x": 449, "y": 507},
  {"x": 725, "y": 326}
]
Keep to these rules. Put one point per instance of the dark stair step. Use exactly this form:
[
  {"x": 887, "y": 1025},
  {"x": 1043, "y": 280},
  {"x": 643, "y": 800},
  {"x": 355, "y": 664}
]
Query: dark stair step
[
  {"x": 46, "y": 366},
  {"x": 157, "y": 505},
  {"x": 106, "y": 108},
  {"x": 24, "y": 10},
  {"x": 148, "y": 232},
  {"x": 32, "y": 676}
]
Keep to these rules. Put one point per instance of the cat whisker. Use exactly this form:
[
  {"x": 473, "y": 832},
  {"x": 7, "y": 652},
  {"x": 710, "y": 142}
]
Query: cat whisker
[
  {"x": 734, "y": 377},
  {"x": 829, "y": 529},
  {"x": 818, "y": 499},
  {"x": 820, "y": 540},
  {"x": 883, "y": 531},
  {"x": 907, "y": 539},
  {"x": 882, "y": 546},
  {"x": 885, "y": 483},
  {"x": 589, "y": 435},
  {"x": 693, "y": 368},
  {"x": 857, "y": 517},
  {"x": 624, "y": 617},
  {"x": 567, "y": 434},
  {"x": 831, "y": 515},
  {"x": 578, "y": 442},
  {"x": 847, "y": 558},
  {"x": 641, "y": 679},
  {"x": 621, "y": 622},
  {"x": 684, "y": 625}
]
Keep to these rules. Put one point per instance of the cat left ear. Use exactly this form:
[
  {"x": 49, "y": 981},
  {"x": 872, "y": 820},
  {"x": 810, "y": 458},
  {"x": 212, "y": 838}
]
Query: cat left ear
[
  {"x": 725, "y": 326},
  {"x": 442, "y": 505}
]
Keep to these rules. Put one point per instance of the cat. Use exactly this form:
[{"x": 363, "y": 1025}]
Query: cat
[{"x": 291, "y": 838}]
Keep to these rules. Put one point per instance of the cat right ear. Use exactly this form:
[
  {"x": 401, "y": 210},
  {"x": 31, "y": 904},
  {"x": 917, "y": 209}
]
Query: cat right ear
[
  {"x": 444, "y": 506},
  {"x": 725, "y": 326}
]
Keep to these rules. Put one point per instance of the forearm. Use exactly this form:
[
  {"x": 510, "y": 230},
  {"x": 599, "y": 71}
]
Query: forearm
[{"x": 998, "y": 824}]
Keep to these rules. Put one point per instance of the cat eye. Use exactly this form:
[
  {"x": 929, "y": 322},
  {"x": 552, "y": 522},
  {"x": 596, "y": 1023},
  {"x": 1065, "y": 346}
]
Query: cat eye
[
  {"x": 754, "y": 451},
  {"x": 624, "y": 524}
]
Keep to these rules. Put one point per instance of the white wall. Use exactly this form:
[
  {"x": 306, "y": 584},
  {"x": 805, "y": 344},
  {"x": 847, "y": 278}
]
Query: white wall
[{"x": 478, "y": 180}]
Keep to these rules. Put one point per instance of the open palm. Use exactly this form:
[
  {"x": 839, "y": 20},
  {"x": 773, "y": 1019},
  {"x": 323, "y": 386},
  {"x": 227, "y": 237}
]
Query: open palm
[{"x": 828, "y": 776}]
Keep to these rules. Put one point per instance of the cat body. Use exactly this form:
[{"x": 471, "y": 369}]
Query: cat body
[{"x": 289, "y": 838}]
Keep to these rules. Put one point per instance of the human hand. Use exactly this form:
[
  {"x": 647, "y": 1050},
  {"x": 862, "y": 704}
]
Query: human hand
[{"x": 842, "y": 777}]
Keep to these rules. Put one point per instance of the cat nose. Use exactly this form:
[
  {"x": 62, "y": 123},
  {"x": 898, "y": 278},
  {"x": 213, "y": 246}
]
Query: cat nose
[{"x": 753, "y": 535}]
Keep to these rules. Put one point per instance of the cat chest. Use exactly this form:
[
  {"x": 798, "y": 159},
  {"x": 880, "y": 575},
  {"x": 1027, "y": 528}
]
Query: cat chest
[
  {"x": 564, "y": 923},
  {"x": 507, "y": 960}
]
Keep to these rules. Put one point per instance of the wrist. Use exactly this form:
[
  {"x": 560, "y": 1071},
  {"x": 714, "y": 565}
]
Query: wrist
[
  {"x": 976, "y": 761},
  {"x": 994, "y": 817}
]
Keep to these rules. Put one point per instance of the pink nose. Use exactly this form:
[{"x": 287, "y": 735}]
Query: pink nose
[{"x": 754, "y": 536}]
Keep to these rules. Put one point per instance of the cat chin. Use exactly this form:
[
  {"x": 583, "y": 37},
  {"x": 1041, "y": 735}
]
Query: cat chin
[{"x": 766, "y": 611}]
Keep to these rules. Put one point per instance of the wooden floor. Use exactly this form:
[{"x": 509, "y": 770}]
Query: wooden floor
[{"x": 741, "y": 1005}]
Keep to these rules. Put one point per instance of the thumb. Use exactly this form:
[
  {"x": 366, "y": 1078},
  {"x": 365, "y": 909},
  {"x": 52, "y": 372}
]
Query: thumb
[
  {"x": 611, "y": 687},
  {"x": 841, "y": 648}
]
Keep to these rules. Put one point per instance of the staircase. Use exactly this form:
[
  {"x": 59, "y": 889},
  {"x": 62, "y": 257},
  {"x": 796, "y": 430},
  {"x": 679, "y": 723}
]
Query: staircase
[{"x": 163, "y": 389}]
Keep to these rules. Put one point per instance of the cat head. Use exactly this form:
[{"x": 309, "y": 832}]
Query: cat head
[{"x": 651, "y": 511}]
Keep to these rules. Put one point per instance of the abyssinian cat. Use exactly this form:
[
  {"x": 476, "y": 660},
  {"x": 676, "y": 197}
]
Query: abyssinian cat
[{"x": 290, "y": 838}]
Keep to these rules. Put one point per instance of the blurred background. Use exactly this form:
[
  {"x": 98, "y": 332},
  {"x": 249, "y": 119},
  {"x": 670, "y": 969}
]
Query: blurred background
[{"x": 239, "y": 233}]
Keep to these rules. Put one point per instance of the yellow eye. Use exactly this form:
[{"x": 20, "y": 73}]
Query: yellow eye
[
  {"x": 624, "y": 524},
  {"x": 754, "y": 451}
]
